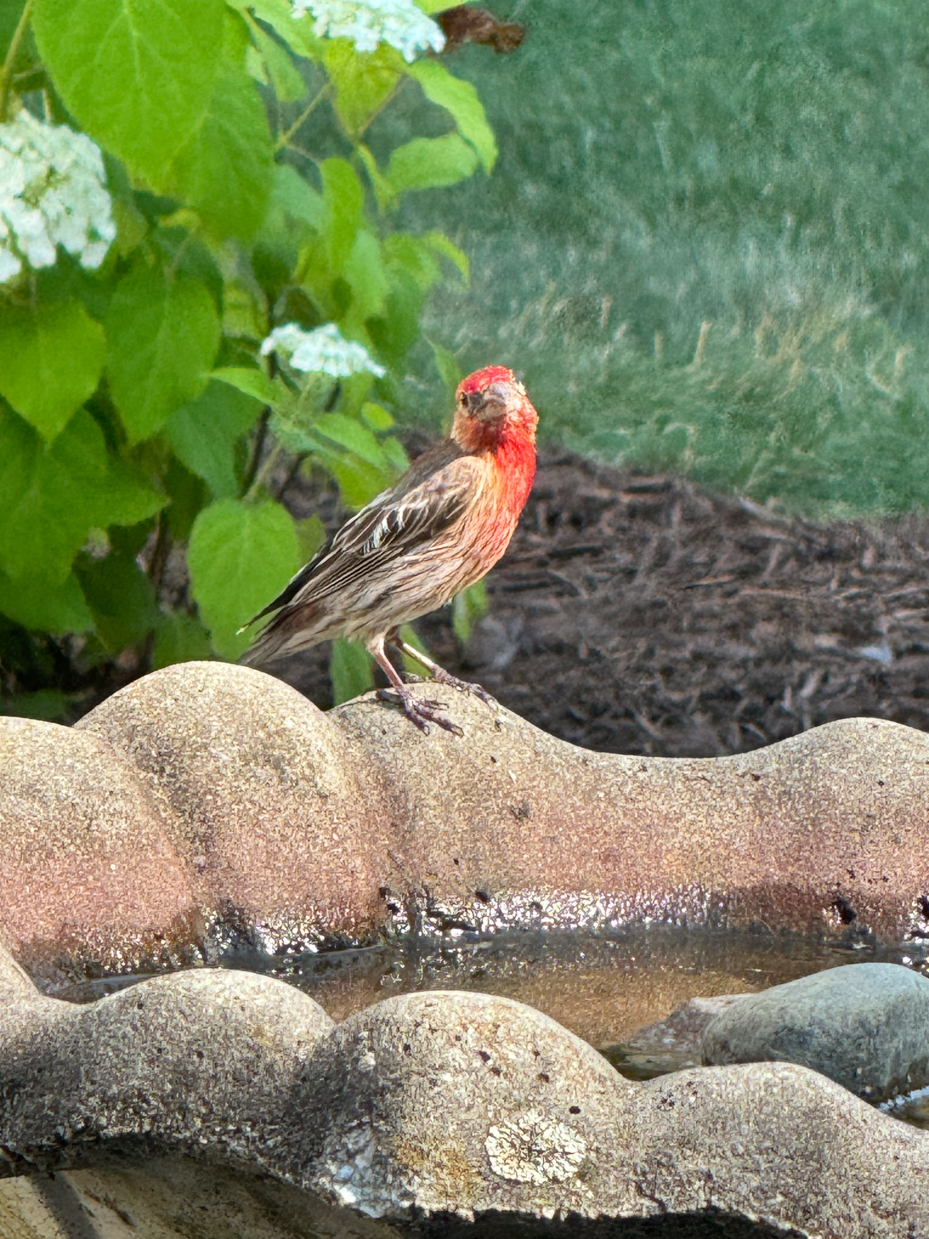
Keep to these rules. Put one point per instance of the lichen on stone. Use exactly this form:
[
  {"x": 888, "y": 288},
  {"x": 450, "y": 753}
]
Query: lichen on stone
[{"x": 534, "y": 1148}]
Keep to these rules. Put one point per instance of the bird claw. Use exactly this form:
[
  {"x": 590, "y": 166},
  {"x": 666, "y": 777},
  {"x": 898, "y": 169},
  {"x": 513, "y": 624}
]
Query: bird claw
[
  {"x": 422, "y": 713},
  {"x": 441, "y": 676}
]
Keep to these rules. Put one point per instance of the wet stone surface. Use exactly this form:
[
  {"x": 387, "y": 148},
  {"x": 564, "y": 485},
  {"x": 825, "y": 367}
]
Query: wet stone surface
[
  {"x": 865, "y": 1026},
  {"x": 422, "y": 1114}
]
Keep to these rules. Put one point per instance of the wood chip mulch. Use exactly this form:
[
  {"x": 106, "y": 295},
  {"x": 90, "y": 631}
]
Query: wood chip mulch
[{"x": 642, "y": 614}]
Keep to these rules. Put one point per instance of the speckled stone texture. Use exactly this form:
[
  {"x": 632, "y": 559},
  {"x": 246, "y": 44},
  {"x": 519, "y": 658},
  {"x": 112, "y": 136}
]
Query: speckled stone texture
[
  {"x": 180, "y": 1097},
  {"x": 209, "y": 802},
  {"x": 824, "y": 829},
  {"x": 88, "y": 869},
  {"x": 865, "y": 1026},
  {"x": 276, "y": 832},
  {"x": 198, "y": 1058}
]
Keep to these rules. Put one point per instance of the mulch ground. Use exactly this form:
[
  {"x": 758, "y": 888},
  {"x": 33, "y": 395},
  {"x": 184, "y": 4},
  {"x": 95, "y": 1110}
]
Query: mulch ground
[{"x": 639, "y": 614}]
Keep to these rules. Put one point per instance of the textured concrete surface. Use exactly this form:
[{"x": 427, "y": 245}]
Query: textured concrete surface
[
  {"x": 88, "y": 869},
  {"x": 203, "y": 1057},
  {"x": 168, "y": 1196},
  {"x": 819, "y": 832},
  {"x": 449, "y": 1099},
  {"x": 258, "y": 818},
  {"x": 865, "y": 1026},
  {"x": 216, "y": 1104},
  {"x": 277, "y": 835}
]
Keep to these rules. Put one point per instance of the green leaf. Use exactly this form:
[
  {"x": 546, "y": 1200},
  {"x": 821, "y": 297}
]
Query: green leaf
[
  {"x": 255, "y": 67},
  {"x": 121, "y": 599},
  {"x": 395, "y": 453},
  {"x": 383, "y": 190},
  {"x": 467, "y": 608},
  {"x": 440, "y": 243},
  {"x": 365, "y": 275},
  {"x": 203, "y": 434},
  {"x": 187, "y": 494},
  {"x": 447, "y": 365},
  {"x": 347, "y": 433},
  {"x": 239, "y": 557},
  {"x": 162, "y": 336},
  {"x": 397, "y": 330},
  {"x": 53, "y": 494},
  {"x": 357, "y": 480},
  {"x": 351, "y": 670},
  {"x": 122, "y": 496},
  {"x": 409, "y": 254},
  {"x": 10, "y": 13},
  {"x": 137, "y": 74},
  {"x": 245, "y": 309},
  {"x": 56, "y": 607},
  {"x": 311, "y": 535},
  {"x": 376, "y": 417},
  {"x": 461, "y": 100},
  {"x": 225, "y": 170},
  {"x": 363, "y": 81},
  {"x": 180, "y": 639},
  {"x": 51, "y": 357},
  {"x": 297, "y": 32},
  {"x": 428, "y": 163},
  {"x": 48, "y": 704},
  {"x": 236, "y": 43},
  {"x": 253, "y": 383},
  {"x": 292, "y": 195},
  {"x": 344, "y": 199},
  {"x": 288, "y": 85}
]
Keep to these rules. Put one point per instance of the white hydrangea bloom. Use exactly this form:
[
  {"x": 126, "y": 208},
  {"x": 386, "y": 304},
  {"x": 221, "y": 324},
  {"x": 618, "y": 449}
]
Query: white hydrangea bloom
[
  {"x": 370, "y": 22},
  {"x": 321, "y": 351},
  {"x": 52, "y": 192}
]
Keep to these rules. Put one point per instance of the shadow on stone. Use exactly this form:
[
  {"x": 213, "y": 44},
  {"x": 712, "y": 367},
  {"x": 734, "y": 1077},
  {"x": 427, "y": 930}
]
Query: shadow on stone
[{"x": 711, "y": 1225}]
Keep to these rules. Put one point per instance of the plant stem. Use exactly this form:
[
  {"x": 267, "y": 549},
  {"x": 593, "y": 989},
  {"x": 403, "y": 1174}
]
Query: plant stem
[
  {"x": 291, "y": 474},
  {"x": 159, "y": 560},
  {"x": 264, "y": 473},
  {"x": 257, "y": 449},
  {"x": 285, "y": 137},
  {"x": 6, "y": 73},
  {"x": 377, "y": 111}
]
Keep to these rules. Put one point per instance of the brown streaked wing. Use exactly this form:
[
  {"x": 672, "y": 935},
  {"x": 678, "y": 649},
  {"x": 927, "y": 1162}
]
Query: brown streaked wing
[{"x": 429, "y": 498}]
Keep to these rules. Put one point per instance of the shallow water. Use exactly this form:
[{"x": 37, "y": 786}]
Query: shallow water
[{"x": 602, "y": 988}]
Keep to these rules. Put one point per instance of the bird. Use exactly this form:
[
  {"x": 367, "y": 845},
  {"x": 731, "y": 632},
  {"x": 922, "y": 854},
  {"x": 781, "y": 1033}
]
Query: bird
[{"x": 439, "y": 529}]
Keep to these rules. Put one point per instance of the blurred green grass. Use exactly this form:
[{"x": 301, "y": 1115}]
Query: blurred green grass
[{"x": 705, "y": 244}]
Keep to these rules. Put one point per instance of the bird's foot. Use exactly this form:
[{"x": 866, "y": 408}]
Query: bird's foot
[
  {"x": 441, "y": 676},
  {"x": 422, "y": 713}
]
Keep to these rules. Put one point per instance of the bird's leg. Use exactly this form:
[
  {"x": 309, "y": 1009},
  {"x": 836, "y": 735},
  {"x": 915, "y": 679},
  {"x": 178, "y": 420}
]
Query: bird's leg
[
  {"x": 439, "y": 674},
  {"x": 422, "y": 713}
]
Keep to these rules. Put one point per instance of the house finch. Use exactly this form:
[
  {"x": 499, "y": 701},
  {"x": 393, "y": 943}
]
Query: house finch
[{"x": 441, "y": 528}]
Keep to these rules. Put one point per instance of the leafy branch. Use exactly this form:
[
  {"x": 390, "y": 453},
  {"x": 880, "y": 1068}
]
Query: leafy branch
[{"x": 148, "y": 409}]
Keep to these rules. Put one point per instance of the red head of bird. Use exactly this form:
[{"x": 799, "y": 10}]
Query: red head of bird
[
  {"x": 495, "y": 419},
  {"x": 492, "y": 411}
]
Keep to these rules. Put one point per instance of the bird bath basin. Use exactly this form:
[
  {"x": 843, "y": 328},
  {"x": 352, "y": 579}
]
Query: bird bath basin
[
  {"x": 615, "y": 992},
  {"x": 464, "y": 923}
]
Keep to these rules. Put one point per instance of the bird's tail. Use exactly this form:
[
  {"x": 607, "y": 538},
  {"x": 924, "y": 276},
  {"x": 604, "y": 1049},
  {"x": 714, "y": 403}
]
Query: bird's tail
[{"x": 290, "y": 630}]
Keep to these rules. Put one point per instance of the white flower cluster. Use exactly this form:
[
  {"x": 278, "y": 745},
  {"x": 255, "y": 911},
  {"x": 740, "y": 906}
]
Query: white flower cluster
[
  {"x": 52, "y": 191},
  {"x": 370, "y": 22},
  {"x": 322, "y": 351}
]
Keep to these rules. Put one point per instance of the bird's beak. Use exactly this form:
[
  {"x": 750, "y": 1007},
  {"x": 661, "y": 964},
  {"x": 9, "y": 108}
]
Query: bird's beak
[{"x": 493, "y": 402}]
